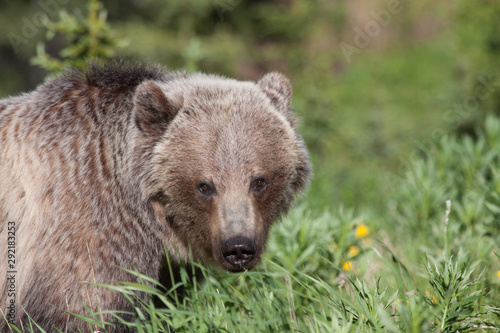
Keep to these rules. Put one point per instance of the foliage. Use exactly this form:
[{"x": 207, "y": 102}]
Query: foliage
[
  {"x": 478, "y": 40},
  {"x": 88, "y": 37},
  {"x": 464, "y": 171}
]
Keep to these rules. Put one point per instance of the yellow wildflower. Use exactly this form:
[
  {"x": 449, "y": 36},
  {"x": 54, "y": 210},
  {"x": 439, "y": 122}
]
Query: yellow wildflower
[
  {"x": 498, "y": 274},
  {"x": 399, "y": 302},
  {"x": 432, "y": 297},
  {"x": 352, "y": 251},
  {"x": 347, "y": 266},
  {"x": 362, "y": 230}
]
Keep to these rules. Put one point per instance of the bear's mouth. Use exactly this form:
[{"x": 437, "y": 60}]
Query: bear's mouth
[{"x": 238, "y": 254}]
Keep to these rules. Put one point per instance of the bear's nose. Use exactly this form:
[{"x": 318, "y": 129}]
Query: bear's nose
[{"x": 238, "y": 251}]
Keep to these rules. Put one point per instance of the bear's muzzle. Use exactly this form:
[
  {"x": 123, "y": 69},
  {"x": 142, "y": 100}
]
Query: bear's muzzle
[{"x": 239, "y": 252}]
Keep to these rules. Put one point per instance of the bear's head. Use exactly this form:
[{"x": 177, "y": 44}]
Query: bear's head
[{"x": 225, "y": 164}]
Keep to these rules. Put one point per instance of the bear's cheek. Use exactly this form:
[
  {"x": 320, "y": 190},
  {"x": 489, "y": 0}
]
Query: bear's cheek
[
  {"x": 274, "y": 203},
  {"x": 199, "y": 232},
  {"x": 188, "y": 217}
]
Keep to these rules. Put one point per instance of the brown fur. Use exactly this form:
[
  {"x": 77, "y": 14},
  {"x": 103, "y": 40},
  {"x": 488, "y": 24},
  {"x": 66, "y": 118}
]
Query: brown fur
[{"x": 105, "y": 169}]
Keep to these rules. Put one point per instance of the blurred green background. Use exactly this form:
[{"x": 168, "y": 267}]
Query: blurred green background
[{"x": 372, "y": 80}]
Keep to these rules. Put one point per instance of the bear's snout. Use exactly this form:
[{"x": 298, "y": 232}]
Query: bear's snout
[{"x": 239, "y": 253}]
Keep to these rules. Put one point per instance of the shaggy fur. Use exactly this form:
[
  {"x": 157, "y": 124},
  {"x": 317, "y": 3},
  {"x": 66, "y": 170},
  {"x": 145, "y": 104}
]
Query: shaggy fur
[{"x": 109, "y": 168}]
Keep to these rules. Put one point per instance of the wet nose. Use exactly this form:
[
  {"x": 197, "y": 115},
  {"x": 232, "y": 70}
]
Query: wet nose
[{"x": 238, "y": 251}]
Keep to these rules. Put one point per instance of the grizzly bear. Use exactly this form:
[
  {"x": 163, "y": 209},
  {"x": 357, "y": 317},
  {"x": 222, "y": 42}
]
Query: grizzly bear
[{"x": 115, "y": 167}]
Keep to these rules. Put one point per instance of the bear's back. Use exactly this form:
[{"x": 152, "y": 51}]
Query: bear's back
[{"x": 59, "y": 156}]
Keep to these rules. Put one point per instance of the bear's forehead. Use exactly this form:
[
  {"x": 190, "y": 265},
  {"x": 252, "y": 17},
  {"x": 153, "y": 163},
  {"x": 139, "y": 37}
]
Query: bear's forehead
[
  {"x": 231, "y": 121},
  {"x": 230, "y": 127},
  {"x": 201, "y": 90},
  {"x": 225, "y": 98},
  {"x": 226, "y": 105},
  {"x": 230, "y": 144},
  {"x": 235, "y": 129}
]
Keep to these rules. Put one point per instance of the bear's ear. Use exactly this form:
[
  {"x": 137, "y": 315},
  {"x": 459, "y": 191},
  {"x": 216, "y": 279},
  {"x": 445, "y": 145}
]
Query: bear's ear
[
  {"x": 154, "y": 110},
  {"x": 279, "y": 90}
]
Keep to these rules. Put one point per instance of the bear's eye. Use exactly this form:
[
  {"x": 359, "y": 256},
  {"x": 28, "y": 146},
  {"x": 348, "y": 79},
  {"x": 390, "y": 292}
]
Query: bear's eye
[
  {"x": 259, "y": 185},
  {"x": 206, "y": 189}
]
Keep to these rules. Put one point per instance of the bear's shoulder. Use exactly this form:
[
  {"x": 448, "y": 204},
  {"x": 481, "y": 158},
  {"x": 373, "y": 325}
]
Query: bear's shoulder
[
  {"x": 119, "y": 76},
  {"x": 124, "y": 75}
]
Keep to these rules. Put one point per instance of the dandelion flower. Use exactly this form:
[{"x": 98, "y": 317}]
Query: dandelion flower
[
  {"x": 347, "y": 266},
  {"x": 498, "y": 274},
  {"x": 352, "y": 251},
  {"x": 361, "y": 231}
]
